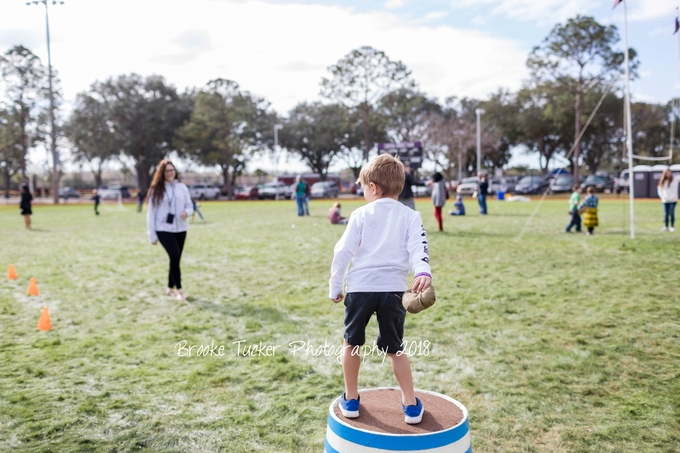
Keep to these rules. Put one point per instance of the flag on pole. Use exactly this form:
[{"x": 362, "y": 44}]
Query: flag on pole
[
  {"x": 677, "y": 25},
  {"x": 616, "y": 3}
]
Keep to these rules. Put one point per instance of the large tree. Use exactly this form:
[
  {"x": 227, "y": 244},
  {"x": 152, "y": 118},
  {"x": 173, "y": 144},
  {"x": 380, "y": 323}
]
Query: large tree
[
  {"x": 544, "y": 120},
  {"x": 317, "y": 133},
  {"x": 359, "y": 82},
  {"x": 582, "y": 50},
  {"x": 11, "y": 152},
  {"x": 406, "y": 113},
  {"x": 24, "y": 83},
  {"x": 91, "y": 131},
  {"x": 144, "y": 114},
  {"x": 226, "y": 125}
]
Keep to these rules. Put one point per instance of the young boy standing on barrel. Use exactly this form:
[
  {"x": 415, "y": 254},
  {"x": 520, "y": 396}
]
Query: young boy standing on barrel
[{"x": 384, "y": 241}]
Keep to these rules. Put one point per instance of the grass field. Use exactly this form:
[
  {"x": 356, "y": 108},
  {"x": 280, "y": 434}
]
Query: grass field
[{"x": 555, "y": 342}]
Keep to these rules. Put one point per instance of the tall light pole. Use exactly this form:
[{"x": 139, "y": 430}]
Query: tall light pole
[
  {"x": 479, "y": 113},
  {"x": 277, "y": 127},
  {"x": 53, "y": 131}
]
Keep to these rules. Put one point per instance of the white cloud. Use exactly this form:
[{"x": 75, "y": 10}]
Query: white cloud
[
  {"x": 542, "y": 11},
  {"x": 435, "y": 15},
  {"x": 280, "y": 52},
  {"x": 393, "y": 4},
  {"x": 653, "y": 9}
]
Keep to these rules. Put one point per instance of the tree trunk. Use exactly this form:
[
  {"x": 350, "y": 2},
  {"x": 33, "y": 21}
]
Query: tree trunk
[
  {"x": 143, "y": 170},
  {"x": 7, "y": 179},
  {"x": 577, "y": 142},
  {"x": 227, "y": 181},
  {"x": 97, "y": 174},
  {"x": 367, "y": 131}
]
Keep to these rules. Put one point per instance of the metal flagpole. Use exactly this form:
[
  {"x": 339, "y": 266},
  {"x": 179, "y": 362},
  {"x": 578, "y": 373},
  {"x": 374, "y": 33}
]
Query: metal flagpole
[
  {"x": 677, "y": 19},
  {"x": 629, "y": 129}
]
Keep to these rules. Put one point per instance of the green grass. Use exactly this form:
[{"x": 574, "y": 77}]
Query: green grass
[{"x": 555, "y": 343}]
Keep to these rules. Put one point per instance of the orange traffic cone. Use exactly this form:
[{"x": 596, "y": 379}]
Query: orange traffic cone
[
  {"x": 44, "y": 322},
  {"x": 33, "y": 288},
  {"x": 12, "y": 273}
]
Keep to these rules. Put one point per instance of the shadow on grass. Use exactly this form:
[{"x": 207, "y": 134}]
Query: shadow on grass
[{"x": 240, "y": 309}]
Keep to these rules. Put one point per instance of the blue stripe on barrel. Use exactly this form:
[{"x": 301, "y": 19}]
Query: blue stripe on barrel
[{"x": 348, "y": 438}]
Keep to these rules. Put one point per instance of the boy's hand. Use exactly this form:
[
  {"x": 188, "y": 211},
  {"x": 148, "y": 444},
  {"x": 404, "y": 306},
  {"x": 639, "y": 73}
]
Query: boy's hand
[
  {"x": 421, "y": 283},
  {"x": 337, "y": 299}
]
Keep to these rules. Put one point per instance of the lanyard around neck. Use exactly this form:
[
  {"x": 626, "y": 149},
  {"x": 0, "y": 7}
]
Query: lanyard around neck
[{"x": 171, "y": 200}]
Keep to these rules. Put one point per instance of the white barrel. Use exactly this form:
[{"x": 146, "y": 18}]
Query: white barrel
[{"x": 341, "y": 437}]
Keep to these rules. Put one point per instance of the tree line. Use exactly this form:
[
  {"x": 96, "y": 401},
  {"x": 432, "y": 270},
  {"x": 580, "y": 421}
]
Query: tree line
[{"x": 367, "y": 98}]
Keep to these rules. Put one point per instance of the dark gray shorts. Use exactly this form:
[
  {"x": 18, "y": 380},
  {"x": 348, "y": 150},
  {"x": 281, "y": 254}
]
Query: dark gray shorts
[{"x": 359, "y": 307}]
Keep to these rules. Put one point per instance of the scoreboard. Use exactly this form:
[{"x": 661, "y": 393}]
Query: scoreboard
[{"x": 409, "y": 153}]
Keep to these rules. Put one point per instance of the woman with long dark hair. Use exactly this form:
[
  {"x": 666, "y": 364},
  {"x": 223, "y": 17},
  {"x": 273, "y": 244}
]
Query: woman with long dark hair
[
  {"x": 25, "y": 205},
  {"x": 168, "y": 207},
  {"x": 668, "y": 192}
]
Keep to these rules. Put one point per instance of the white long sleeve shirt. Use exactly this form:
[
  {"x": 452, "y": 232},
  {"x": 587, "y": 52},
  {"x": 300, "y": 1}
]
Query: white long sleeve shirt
[
  {"x": 176, "y": 200},
  {"x": 669, "y": 192},
  {"x": 383, "y": 242}
]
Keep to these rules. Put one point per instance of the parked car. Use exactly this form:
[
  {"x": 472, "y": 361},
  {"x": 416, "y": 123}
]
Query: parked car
[
  {"x": 68, "y": 192},
  {"x": 325, "y": 189},
  {"x": 270, "y": 189},
  {"x": 562, "y": 184},
  {"x": 468, "y": 186},
  {"x": 532, "y": 185},
  {"x": 204, "y": 191},
  {"x": 503, "y": 184},
  {"x": 622, "y": 183},
  {"x": 246, "y": 192},
  {"x": 601, "y": 183}
]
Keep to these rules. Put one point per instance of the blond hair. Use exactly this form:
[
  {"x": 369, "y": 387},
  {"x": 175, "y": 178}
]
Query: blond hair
[
  {"x": 591, "y": 190},
  {"x": 386, "y": 172},
  {"x": 335, "y": 205}
]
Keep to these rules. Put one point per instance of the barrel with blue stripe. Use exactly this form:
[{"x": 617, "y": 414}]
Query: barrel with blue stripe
[{"x": 347, "y": 436}]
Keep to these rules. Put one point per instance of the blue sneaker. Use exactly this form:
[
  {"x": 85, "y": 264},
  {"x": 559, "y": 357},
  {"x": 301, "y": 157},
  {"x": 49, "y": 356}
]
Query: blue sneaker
[
  {"x": 413, "y": 414},
  {"x": 349, "y": 409}
]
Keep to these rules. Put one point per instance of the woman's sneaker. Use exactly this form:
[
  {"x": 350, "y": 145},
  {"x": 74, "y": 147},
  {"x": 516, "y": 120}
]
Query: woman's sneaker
[
  {"x": 413, "y": 414},
  {"x": 349, "y": 409}
]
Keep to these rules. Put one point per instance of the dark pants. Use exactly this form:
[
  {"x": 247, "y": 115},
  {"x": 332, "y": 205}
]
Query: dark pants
[
  {"x": 173, "y": 243},
  {"x": 575, "y": 221},
  {"x": 96, "y": 208},
  {"x": 669, "y": 213},
  {"x": 481, "y": 199}
]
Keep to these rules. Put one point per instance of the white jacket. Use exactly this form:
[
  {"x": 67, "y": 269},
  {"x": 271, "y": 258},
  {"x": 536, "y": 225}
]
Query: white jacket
[
  {"x": 669, "y": 192},
  {"x": 384, "y": 241},
  {"x": 176, "y": 201}
]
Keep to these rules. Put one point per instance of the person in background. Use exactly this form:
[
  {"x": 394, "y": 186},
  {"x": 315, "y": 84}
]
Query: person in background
[
  {"x": 334, "y": 215},
  {"x": 25, "y": 205},
  {"x": 589, "y": 206},
  {"x": 574, "y": 201},
  {"x": 438, "y": 198},
  {"x": 196, "y": 210},
  {"x": 300, "y": 190},
  {"x": 308, "y": 195},
  {"x": 482, "y": 192},
  {"x": 406, "y": 195},
  {"x": 168, "y": 206},
  {"x": 97, "y": 199},
  {"x": 141, "y": 196},
  {"x": 668, "y": 192},
  {"x": 460, "y": 207}
]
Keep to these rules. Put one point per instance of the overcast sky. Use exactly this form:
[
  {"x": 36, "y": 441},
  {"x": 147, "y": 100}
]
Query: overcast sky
[{"x": 280, "y": 49}]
